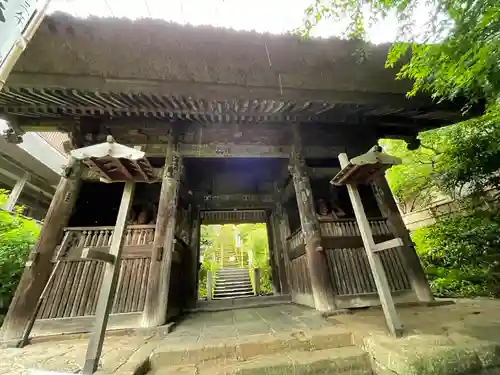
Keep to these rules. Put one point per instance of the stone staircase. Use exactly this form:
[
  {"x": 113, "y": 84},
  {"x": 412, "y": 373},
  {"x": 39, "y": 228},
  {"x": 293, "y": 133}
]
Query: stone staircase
[
  {"x": 232, "y": 283},
  {"x": 329, "y": 350}
]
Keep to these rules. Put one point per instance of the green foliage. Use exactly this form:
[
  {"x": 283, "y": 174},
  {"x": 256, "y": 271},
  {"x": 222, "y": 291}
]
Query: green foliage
[
  {"x": 455, "y": 52},
  {"x": 460, "y": 161},
  {"x": 460, "y": 255},
  {"x": 217, "y": 238},
  {"x": 17, "y": 236}
]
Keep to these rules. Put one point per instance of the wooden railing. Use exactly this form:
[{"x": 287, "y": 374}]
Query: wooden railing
[
  {"x": 349, "y": 227},
  {"x": 101, "y": 236}
]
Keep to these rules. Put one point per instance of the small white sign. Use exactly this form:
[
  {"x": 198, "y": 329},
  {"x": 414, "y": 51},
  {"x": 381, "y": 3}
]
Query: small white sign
[{"x": 14, "y": 17}]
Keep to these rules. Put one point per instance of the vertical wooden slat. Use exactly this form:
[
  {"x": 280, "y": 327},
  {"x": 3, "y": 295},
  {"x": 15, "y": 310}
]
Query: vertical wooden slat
[
  {"x": 58, "y": 296},
  {"x": 126, "y": 283},
  {"x": 81, "y": 285},
  {"x": 133, "y": 280},
  {"x": 75, "y": 282},
  {"x": 94, "y": 289},
  {"x": 119, "y": 290},
  {"x": 48, "y": 302},
  {"x": 68, "y": 286},
  {"x": 91, "y": 277}
]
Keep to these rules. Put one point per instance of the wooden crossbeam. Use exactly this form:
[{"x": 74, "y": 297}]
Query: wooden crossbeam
[
  {"x": 98, "y": 254},
  {"x": 395, "y": 242}
]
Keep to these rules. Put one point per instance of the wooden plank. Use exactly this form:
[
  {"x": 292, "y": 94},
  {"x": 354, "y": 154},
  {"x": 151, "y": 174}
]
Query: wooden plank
[
  {"x": 59, "y": 289},
  {"x": 108, "y": 287},
  {"x": 35, "y": 277},
  {"x": 144, "y": 283},
  {"x": 96, "y": 254},
  {"x": 94, "y": 289},
  {"x": 87, "y": 287},
  {"x": 80, "y": 288},
  {"x": 391, "y": 315},
  {"x": 74, "y": 288},
  {"x": 349, "y": 242}
]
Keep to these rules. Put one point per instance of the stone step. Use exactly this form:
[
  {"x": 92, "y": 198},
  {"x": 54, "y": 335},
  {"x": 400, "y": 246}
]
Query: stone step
[
  {"x": 233, "y": 287},
  {"x": 232, "y": 279},
  {"x": 240, "y": 303},
  {"x": 232, "y": 273},
  {"x": 328, "y": 351},
  {"x": 232, "y": 295},
  {"x": 340, "y": 361}
]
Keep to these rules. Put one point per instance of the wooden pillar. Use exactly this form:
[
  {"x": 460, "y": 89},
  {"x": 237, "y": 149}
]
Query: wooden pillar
[
  {"x": 283, "y": 230},
  {"x": 155, "y": 307},
  {"x": 194, "y": 246},
  {"x": 411, "y": 261},
  {"x": 16, "y": 192},
  {"x": 275, "y": 282},
  {"x": 316, "y": 260},
  {"x": 278, "y": 254},
  {"x": 39, "y": 266},
  {"x": 109, "y": 282}
]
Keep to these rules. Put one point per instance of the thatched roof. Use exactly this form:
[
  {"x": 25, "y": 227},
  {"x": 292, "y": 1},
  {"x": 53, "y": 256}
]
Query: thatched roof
[
  {"x": 160, "y": 50},
  {"x": 108, "y": 70}
]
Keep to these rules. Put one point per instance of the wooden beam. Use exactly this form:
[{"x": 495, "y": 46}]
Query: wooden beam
[
  {"x": 321, "y": 287},
  {"x": 156, "y": 304},
  {"x": 350, "y": 242},
  {"x": 98, "y": 254},
  {"x": 409, "y": 257},
  {"x": 109, "y": 282},
  {"x": 15, "y": 193},
  {"x": 389, "y": 244},
  {"x": 35, "y": 277},
  {"x": 377, "y": 269},
  {"x": 212, "y": 90}
]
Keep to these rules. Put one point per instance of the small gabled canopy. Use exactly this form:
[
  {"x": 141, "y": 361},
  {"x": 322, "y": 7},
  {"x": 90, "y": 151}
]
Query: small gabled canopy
[
  {"x": 114, "y": 162},
  {"x": 365, "y": 168}
]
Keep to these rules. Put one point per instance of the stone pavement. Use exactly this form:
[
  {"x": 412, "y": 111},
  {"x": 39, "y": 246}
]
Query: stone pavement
[
  {"x": 453, "y": 339},
  {"x": 121, "y": 354},
  {"x": 467, "y": 333}
]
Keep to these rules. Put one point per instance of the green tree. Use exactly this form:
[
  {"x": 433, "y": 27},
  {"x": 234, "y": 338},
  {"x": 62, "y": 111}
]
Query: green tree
[
  {"x": 17, "y": 237},
  {"x": 455, "y": 52}
]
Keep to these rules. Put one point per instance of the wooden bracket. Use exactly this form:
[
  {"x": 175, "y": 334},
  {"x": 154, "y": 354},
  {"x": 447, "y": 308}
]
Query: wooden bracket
[
  {"x": 32, "y": 258},
  {"x": 395, "y": 242},
  {"x": 96, "y": 254}
]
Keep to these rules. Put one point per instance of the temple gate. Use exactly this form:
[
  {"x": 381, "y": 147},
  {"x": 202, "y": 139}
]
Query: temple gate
[{"x": 229, "y": 140}]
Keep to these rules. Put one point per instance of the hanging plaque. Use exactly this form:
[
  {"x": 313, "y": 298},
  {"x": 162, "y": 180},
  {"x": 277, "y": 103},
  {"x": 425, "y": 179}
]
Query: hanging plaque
[{"x": 14, "y": 17}]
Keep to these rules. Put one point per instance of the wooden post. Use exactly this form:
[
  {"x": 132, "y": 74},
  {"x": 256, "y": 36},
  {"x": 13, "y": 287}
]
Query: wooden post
[
  {"x": 194, "y": 247},
  {"x": 16, "y": 192},
  {"x": 155, "y": 307},
  {"x": 275, "y": 282},
  {"x": 256, "y": 280},
  {"x": 316, "y": 261},
  {"x": 384, "y": 292},
  {"x": 278, "y": 253},
  {"x": 283, "y": 230},
  {"x": 210, "y": 285},
  {"x": 38, "y": 269},
  {"x": 410, "y": 259},
  {"x": 109, "y": 283}
]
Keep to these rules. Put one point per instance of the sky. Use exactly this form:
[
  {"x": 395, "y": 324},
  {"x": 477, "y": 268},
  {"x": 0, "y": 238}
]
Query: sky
[{"x": 274, "y": 16}]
